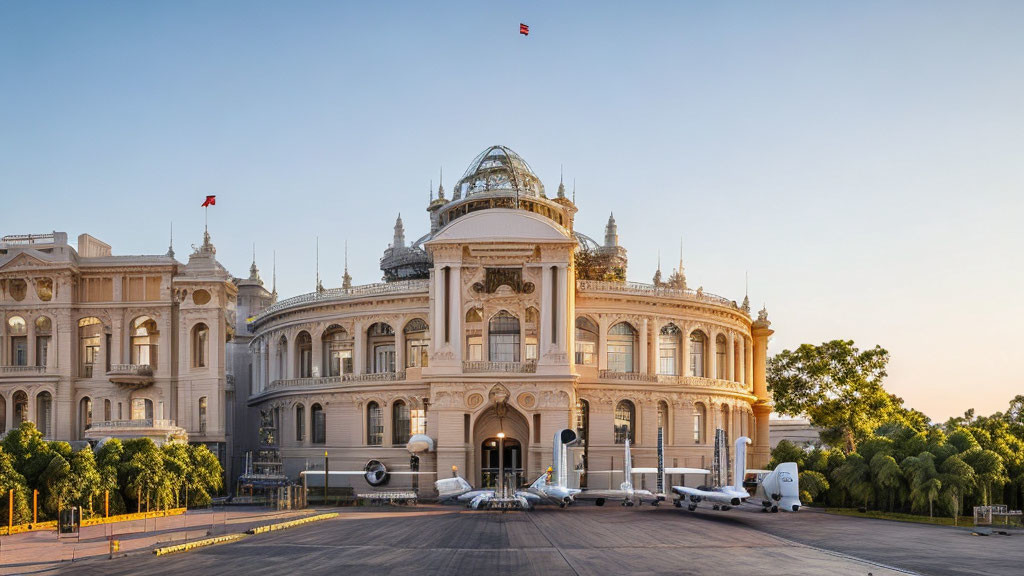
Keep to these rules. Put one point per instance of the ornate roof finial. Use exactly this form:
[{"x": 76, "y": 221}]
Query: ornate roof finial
[
  {"x": 573, "y": 190},
  {"x": 657, "y": 273},
  {"x": 170, "y": 246},
  {"x": 746, "y": 292},
  {"x": 762, "y": 318},
  {"x": 319, "y": 285},
  {"x": 399, "y": 240},
  {"x": 678, "y": 278},
  {"x": 274, "y": 283},
  {"x": 346, "y": 279},
  {"x": 561, "y": 184},
  {"x": 254, "y": 272},
  {"x": 440, "y": 185}
]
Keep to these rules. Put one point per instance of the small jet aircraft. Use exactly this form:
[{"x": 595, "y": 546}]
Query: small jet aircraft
[
  {"x": 550, "y": 488},
  {"x": 629, "y": 495},
  {"x": 721, "y": 497},
  {"x": 780, "y": 489}
]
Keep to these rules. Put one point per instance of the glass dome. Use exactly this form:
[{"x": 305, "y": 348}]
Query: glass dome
[{"x": 499, "y": 169}]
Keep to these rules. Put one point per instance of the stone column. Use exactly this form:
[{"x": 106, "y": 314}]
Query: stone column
[
  {"x": 561, "y": 335},
  {"x": 318, "y": 355},
  {"x": 602, "y": 343},
  {"x": 712, "y": 356},
  {"x": 730, "y": 369},
  {"x": 9, "y": 411},
  {"x": 643, "y": 368},
  {"x": 544, "y": 333},
  {"x": 120, "y": 339},
  {"x": 749, "y": 364},
  {"x": 30, "y": 344},
  {"x": 455, "y": 337},
  {"x": 655, "y": 349},
  {"x": 359, "y": 350},
  {"x": 399, "y": 348},
  {"x": 685, "y": 368},
  {"x": 742, "y": 376}
]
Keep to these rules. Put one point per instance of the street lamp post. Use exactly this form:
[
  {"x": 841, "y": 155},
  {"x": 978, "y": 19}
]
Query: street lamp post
[{"x": 501, "y": 464}]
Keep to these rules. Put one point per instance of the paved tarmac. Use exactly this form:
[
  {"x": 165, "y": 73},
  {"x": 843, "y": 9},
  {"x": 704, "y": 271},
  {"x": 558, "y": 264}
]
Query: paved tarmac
[{"x": 590, "y": 540}]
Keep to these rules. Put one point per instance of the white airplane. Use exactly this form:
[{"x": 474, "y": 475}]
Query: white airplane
[
  {"x": 721, "y": 497},
  {"x": 629, "y": 495},
  {"x": 780, "y": 489},
  {"x": 551, "y": 487}
]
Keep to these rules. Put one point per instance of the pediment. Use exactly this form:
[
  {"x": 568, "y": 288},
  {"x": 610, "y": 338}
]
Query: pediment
[
  {"x": 501, "y": 225},
  {"x": 23, "y": 261}
]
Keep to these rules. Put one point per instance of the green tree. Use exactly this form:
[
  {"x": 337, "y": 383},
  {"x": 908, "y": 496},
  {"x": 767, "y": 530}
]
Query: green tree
[
  {"x": 855, "y": 477},
  {"x": 87, "y": 478},
  {"x": 30, "y": 453},
  {"x": 837, "y": 386},
  {"x": 142, "y": 471},
  {"x": 988, "y": 469},
  {"x": 925, "y": 485},
  {"x": 812, "y": 485},
  {"x": 10, "y": 479},
  {"x": 786, "y": 451},
  {"x": 207, "y": 477},
  {"x": 957, "y": 482},
  {"x": 887, "y": 477}
]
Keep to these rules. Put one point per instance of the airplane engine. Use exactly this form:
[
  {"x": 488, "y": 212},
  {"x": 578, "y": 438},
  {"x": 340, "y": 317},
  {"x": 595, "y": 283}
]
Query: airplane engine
[{"x": 376, "y": 473}]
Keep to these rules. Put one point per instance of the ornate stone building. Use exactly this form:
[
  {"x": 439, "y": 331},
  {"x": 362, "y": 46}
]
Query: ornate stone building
[
  {"x": 96, "y": 345},
  {"x": 503, "y": 318}
]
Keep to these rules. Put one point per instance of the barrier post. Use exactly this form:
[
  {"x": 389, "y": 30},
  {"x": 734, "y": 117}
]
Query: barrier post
[
  {"x": 327, "y": 475},
  {"x": 106, "y": 503},
  {"x": 35, "y": 507},
  {"x": 10, "y": 511}
]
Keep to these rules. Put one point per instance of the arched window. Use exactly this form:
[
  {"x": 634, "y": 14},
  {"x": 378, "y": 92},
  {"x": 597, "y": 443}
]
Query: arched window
[
  {"x": 144, "y": 341},
  {"x": 20, "y": 401},
  {"x": 474, "y": 315},
  {"x": 381, "y": 348},
  {"x": 621, "y": 342},
  {"x": 726, "y": 421},
  {"x": 44, "y": 413},
  {"x": 669, "y": 341},
  {"x": 721, "y": 357},
  {"x": 304, "y": 350},
  {"x": 19, "y": 341},
  {"x": 44, "y": 329},
  {"x": 374, "y": 425},
  {"x": 586, "y": 342},
  {"x": 474, "y": 339},
  {"x": 503, "y": 338},
  {"x": 84, "y": 413},
  {"x": 625, "y": 416},
  {"x": 200, "y": 345},
  {"x": 417, "y": 344},
  {"x": 663, "y": 420},
  {"x": 337, "y": 345},
  {"x": 400, "y": 423},
  {"x": 142, "y": 409},
  {"x": 316, "y": 411},
  {"x": 202, "y": 415},
  {"x": 700, "y": 417},
  {"x": 697, "y": 341},
  {"x": 300, "y": 423},
  {"x": 90, "y": 330}
]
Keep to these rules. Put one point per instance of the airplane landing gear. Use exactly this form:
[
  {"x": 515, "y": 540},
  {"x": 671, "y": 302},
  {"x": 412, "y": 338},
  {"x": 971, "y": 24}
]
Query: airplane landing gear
[
  {"x": 691, "y": 507},
  {"x": 677, "y": 504},
  {"x": 775, "y": 509},
  {"x": 599, "y": 502}
]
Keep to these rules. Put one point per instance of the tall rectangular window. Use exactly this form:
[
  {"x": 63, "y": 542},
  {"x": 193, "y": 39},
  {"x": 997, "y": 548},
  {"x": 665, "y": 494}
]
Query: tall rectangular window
[
  {"x": 536, "y": 428},
  {"x": 19, "y": 351}
]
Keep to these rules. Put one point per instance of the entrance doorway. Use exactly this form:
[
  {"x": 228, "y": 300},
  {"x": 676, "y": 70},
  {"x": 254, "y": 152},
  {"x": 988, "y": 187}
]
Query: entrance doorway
[{"x": 489, "y": 462}]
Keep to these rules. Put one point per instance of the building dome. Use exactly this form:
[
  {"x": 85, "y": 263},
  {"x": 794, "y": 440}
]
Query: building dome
[{"x": 499, "y": 169}]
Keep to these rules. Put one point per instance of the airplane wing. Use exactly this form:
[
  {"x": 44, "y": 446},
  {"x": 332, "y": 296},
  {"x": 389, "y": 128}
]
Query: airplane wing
[
  {"x": 602, "y": 495},
  {"x": 671, "y": 471}
]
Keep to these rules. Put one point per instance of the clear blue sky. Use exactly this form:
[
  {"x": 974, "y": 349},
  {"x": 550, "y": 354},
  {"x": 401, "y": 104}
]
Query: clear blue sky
[{"x": 862, "y": 160}]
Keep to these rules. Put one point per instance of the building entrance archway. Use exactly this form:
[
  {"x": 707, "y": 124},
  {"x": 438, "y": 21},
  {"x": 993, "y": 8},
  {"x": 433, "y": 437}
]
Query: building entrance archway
[{"x": 500, "y": 418}]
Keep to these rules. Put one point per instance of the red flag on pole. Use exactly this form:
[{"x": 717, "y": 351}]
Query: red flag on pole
[
  {"x": 210, "y": 201},
  {"x": 524, "y": 29}
]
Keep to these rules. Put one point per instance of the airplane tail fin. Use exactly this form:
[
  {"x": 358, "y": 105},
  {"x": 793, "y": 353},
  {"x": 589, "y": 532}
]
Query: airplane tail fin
[
  {"x": 740, "y": 466},
  {"x": 560, "y": 456},
  {"x": 453, "y": 487},
  {"x": 782, "y": 486}
]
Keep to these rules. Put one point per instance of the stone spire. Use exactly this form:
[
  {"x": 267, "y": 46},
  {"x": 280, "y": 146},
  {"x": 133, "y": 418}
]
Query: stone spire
[
  {"x": 657, "y": 273},
  {"x": 319, "y": 284},
  {"x": 746, "y": 294},
  {"x": 346, "y": 278},
  {"x": 561, "y": 184},
  {"x": 273, "y": 291},
  {"x": 678, "y": 278},
  {"x": 440, "y": 185},
  {"x": 254, "y": 272},
  {"x": 611, "y": 232},
  {"x": 399, "y": 241},
  {"x": 573, "y": 190},
  {"x": 170, "y": 246}
]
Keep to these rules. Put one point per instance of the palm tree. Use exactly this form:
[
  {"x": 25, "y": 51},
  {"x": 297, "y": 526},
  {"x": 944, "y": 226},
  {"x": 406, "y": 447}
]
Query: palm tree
[
  {"x": 887, "y": 475},
  {"x": 923, "y": 478},
  {"x": 855, "y": 477},
  {"x": 958, "y": 480}
]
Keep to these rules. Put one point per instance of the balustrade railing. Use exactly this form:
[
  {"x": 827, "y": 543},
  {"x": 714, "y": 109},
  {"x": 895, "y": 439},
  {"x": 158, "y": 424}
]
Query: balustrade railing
[
  {"x": 130, "y": 370},
  {"x": 694, "y": 381},
  {"x": 332, "y": 294},
  {"x": 335, "y": 380},
  {"x": 481, "y": 367},
  {"x": 652, "y": 290},
  {"x": 22, "y": 369},
  {"x": 142, "y": 423}
]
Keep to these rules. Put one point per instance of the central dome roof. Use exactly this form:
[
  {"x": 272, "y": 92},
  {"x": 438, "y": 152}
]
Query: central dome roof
[{"x": 499, "y": 169}]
